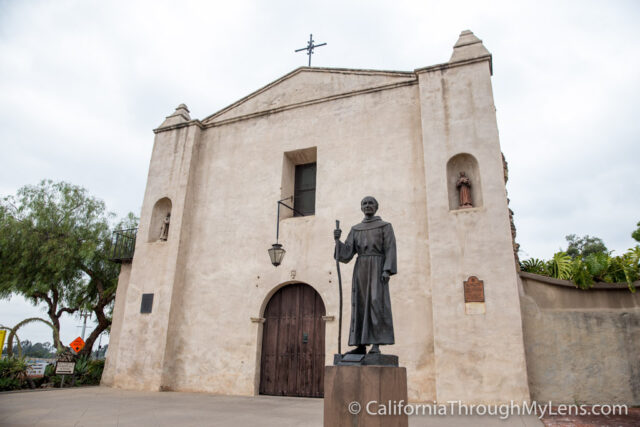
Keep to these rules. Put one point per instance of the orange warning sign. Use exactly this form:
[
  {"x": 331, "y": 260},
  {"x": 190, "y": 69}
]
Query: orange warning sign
[{"x": 77, "y": 344}]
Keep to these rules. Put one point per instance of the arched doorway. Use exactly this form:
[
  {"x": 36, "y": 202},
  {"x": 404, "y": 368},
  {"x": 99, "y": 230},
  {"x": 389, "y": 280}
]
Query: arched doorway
[{"x": 292, "y": 361}]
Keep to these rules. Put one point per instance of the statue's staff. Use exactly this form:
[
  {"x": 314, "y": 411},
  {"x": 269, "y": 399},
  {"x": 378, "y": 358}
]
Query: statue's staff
[{"x": 337, "y": 253}]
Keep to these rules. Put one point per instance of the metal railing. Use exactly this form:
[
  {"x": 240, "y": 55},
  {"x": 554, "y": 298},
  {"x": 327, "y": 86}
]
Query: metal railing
[{"x": 123, "y": 245}]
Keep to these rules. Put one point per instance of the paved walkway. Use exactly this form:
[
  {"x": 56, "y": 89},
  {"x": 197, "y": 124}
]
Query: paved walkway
[{"x": 102, "y": 406}]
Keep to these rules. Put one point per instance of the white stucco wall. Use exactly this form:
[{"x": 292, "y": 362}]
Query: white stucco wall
[
  {"x": 581, "y": 346},
  {"x": 142, "y": 337},
  {"x": 479, "y": 358},
  {"x": 383, "y": 134},
  {"x": 228, "y": 275}
]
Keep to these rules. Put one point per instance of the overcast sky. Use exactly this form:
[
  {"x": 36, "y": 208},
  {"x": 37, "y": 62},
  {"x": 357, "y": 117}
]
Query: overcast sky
[{"x": 83, "y": 83}]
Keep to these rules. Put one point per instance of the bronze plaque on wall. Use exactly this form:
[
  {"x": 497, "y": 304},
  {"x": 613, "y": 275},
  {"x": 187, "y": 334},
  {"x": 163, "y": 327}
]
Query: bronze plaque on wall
[{"x": 473, "y": 290}]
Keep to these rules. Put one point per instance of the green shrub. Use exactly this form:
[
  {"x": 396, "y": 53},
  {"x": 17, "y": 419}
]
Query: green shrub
[
  {"x": 50, "y": 370},
  {"x": 534, "y": 265},
  {"x": 580, "y": 274},
  {"x": 82, "y": 366},
  {"x": 13, "y": 373},
  {"x": 597, "y": 265},
  {"x": 586, "y": 271},
  {"x": 560, "y": 266},
  {"x": 94, "y": 373},
  {"x": 87, "y": 371}
]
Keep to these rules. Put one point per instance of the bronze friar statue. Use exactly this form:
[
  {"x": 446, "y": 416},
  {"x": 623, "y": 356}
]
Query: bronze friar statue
[{"x": 374, "y": 242}]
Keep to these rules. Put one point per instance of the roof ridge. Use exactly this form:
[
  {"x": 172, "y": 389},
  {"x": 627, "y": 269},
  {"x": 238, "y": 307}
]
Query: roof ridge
[{"x": 299, "y": 70}]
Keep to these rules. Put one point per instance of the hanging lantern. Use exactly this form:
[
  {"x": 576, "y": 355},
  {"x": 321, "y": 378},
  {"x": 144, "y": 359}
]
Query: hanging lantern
[{"x": 276, "y": 253}]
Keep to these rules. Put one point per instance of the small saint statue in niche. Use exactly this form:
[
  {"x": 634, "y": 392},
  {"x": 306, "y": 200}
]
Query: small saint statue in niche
[
  {"x": 164, "y": 231},
  {"x": 464, "y": 187}
]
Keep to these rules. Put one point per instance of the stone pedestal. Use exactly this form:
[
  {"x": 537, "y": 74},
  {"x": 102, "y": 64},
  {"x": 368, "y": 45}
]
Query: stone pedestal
[
  {"x": 382, "y": 388},
  {"x": 377, "y": 359}
]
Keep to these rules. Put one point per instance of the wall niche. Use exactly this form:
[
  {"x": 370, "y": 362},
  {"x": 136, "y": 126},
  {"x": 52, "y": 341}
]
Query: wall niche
[
  {"x": 467, "y": 164},
  {"x": 160, "y": 224}
]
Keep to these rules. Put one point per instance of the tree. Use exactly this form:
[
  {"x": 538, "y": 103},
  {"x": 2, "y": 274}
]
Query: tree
[
  {"x": 13, "y": 334},
  {"x": 54, "y": 249},
  {"x": 584, "y": 246},
  {"x": 103, "y": 281},
  {"x": 636, "y": 233},
  {"x": 41, "y": 350}
]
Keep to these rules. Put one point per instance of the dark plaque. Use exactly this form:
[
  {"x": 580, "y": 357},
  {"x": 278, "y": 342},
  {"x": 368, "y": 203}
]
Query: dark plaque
[
  {"x": 147, "y": 303},
  {"x": 473, "y": 290}
]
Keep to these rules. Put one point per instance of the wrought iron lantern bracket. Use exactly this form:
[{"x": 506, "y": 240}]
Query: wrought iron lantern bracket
[{"x": 276, "y": 251}]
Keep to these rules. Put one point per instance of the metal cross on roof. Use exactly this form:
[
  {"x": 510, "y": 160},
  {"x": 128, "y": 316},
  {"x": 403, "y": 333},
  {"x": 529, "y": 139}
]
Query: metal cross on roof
[{"x": 310, "y": 47}]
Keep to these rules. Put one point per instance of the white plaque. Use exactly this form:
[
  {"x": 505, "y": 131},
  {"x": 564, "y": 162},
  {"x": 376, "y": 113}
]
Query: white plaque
[
  {"x": 65, "y": 368},
  {"x": 474, "y": 308},
  {"x": 36, "y": 369}
]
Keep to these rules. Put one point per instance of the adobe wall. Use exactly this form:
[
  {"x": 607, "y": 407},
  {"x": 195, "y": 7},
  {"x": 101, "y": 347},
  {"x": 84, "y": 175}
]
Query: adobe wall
[
  {"x": 368, "y": 144},
  {"x": 142, "y": 338},
  {"x": 116, "y": 325},
  {"x": 386, "y": 134},
  {"x": 581, "y": 345},
  {"x": 479, "y": 355}
]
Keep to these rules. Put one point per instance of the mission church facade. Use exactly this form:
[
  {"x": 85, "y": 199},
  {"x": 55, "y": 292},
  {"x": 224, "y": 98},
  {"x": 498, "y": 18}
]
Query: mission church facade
[{"x": 219, "y": 317}]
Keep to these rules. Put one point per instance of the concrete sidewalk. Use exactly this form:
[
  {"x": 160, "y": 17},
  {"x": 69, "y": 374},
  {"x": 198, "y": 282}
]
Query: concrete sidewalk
[{"x": 103, "y": 406}]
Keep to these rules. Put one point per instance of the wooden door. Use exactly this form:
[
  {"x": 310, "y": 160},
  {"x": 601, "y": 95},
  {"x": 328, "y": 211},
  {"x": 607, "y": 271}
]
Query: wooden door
[{"x": 293, "y": 343}]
